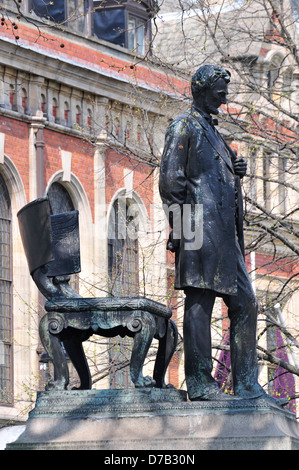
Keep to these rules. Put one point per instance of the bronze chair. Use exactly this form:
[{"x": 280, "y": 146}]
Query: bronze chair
[{"x": 52, "y": 247}]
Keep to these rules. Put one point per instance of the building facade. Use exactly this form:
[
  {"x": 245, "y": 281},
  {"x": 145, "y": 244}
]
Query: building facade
[
  {"x": 82, "y": 120},
  {"x": 83, "y": 113}
]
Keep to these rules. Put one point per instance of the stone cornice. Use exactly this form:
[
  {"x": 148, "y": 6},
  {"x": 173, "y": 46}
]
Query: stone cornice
[
  {"x": 87, "y": 63},
  {"x": 74, "y": 75}
]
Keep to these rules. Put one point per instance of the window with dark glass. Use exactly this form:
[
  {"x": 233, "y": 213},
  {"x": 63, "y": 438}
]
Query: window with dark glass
[
  {"x": 5, "y": 296},
  {"x": 123, "y": 274},
  {"x": 110, "y": 24},
  {"x": 136, "y": 35},
  {"x": 53, "y": 10},
  {"x": 124, "y": 22},
  {"x": 69, "y": 12},
  {"x": 60, "y": 199},
  {"x": 43, "y": 105}
]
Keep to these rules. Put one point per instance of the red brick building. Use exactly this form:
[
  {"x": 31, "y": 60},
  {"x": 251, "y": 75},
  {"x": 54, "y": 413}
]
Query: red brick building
[
  {"x": 83, "y": 114},
  {"x": 82, "y": 119}
]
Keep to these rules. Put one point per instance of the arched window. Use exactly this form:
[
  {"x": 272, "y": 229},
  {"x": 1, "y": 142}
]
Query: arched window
[
  {"x": 89, "y": 120},
  {"x": 12, "y": 97},
  {"x": 127, "y": 133},
  {"x": 78, "y": 116},
  {"x": 24, "y": 100},
  {"x": 5, "y": 296},
  {"x": 287, "y": 80},
  {"x": 123, "y": 249},
  {"x": 54, "y": 109},
  {"x": 60, "y": 202},
  {"x": 116, "y": 128},
  {"x": 139, "y": 135},
  {"x": 273, "y": 75},
  {"x": 43, "y": 105},
  {"x": 123, "y": 275},
  {"x": 66, "y": 113},
  {"x": 60, "y": 199}
]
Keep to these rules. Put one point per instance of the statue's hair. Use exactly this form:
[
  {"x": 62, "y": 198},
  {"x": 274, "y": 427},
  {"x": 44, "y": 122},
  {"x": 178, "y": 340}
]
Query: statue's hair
[{"x": 206, "y": 76}]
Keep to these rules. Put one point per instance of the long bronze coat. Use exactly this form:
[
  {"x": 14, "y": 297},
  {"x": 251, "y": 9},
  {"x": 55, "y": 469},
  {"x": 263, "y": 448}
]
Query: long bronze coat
[{"x": 196, "y": 168}]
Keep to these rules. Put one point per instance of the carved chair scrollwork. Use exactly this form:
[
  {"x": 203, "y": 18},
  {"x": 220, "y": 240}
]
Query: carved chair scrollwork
[{"x": 52, "y": 247}]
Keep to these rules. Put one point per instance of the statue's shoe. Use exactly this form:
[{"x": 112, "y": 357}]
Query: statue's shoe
[
  {"x": 275, "y": 401},
  {"x": 215, "y": 395}
]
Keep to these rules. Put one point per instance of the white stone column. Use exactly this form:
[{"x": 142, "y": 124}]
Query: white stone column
[
  {"x": 160, "y": 227},
  {"x": 100, "y": 213},
  {"x": 37, "y": 123}
]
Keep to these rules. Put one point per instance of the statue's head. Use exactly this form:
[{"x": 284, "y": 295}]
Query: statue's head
[
  {"x": 209, "y": 87},
  {"x": 206, "y": 76}
]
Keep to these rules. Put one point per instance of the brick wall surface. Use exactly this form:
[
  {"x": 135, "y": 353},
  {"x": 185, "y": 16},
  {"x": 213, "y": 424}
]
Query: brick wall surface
[
  {"x": 82, "y": 159},
  {"x": 16, "y": 146},
  {"x": 116, "y": 163},
  {"x": 64, "y": 48}
]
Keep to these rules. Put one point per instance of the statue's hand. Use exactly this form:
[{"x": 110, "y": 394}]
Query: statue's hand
[
  {"x": 173, "y": 244},
  {"x": 240, "y": 167}
]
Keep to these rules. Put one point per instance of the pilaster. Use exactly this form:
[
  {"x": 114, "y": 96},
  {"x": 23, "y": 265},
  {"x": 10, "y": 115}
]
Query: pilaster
[
  {"x": 100, "y": 209},
  {"x": 35, "y": 151}
]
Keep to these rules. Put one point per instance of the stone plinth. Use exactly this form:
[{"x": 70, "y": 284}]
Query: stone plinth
[{"x": 154, "y": 419}]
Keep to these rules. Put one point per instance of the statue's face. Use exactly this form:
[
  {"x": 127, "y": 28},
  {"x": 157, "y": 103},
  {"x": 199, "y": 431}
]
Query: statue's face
[{"x": 212, "y": 98}]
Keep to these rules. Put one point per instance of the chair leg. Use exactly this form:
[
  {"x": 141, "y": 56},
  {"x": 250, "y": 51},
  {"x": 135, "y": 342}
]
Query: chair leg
[
  {"x": 72, "y": 341},
  {"x": 53, "y": 346},
  {"x": 166, "y": 349},
  {"x": 142, "y": 342}
]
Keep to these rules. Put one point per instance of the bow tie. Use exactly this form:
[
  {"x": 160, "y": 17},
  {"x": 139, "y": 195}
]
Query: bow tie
[{"x": 211, "y": 121}]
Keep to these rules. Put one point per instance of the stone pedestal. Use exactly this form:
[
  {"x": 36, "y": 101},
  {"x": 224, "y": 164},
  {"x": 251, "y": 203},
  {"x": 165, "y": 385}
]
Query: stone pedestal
[{"x": 152, "y": 420}]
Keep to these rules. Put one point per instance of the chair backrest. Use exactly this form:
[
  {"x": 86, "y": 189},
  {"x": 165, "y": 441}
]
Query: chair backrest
[
  {"x": 36, "y": 233},
  {"x": 66, "y": 243},
  {"x": 50, "y": 240}
]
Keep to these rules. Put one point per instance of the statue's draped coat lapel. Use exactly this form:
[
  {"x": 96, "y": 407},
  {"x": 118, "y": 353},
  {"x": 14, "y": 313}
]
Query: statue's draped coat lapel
[{"x": 196, "y": 169}]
